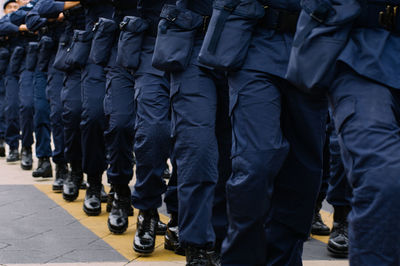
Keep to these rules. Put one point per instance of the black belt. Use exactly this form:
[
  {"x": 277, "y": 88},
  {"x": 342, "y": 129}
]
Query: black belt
[
  {"x": 280, "y": 20},
  {"x": 384, "y": 16}
]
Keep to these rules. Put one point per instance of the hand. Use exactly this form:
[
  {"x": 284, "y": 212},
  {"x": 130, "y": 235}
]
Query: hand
[
  {"x": 60, "y": 17},
  {"x": 23, "y": 27}
]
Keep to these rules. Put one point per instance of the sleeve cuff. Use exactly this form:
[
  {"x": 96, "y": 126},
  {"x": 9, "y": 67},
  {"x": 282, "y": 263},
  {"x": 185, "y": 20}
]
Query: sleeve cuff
[
  {"x": 14, "y": 28},
  {"x": 59, "y": 6}
]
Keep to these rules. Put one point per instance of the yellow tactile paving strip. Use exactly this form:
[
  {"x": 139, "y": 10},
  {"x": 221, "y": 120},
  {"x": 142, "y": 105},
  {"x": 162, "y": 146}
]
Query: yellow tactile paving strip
[
  {"x": 327, "y": 217},
  {"x": 98, "y": 225},
  {"x": 123, "y": 243}
]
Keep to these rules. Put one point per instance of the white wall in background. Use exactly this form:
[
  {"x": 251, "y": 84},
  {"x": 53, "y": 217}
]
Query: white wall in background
[{"x": 1, "y": 8}]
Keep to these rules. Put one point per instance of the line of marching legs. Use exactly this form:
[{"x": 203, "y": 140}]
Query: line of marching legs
[{"x": 233, "y": 94}]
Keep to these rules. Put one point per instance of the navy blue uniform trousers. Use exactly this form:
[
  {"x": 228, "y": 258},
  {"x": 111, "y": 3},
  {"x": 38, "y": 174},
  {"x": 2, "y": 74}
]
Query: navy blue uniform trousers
[
  {"x": 335, "y": 187},
  {"x": 12, "y": 135},
  {"x": 2, "y": 107},
  {"x": 93, "y": 121},
  {"x": 41, "y": 115},
  {"x": 202, "y": 140},
  {"x": 119, "y": 108},
  {"x": 71, "y": 116},
  {"x": 152, "y": 131},
  {"x": 26, "y": 105},
  {"x": 339, "y": 190},
  {"x": 278, "y": 137},
  {"x": 366, "y": 116},
  {"x": 55, "y": 80}
]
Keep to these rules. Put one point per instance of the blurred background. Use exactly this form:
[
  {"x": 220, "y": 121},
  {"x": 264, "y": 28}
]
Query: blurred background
[{"x": 1, "y": 7}]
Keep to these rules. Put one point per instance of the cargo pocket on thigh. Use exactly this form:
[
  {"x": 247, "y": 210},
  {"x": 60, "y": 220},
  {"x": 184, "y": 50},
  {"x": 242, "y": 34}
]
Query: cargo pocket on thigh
[
  {"x": 130, "y": 41},
  {"x": 103, "y": 39},
  {"x": 175, "y": 38},
  {"x": 230, "y": 29},
  {"x": 78, "y": 53},
  {"x": 62, "y": 52}
]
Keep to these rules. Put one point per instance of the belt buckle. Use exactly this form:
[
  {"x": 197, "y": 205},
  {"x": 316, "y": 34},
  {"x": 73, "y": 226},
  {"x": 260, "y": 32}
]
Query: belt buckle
[
  {"x": 387, "y": 18},
  {"x": 122, "y": 25},
  {"x": 96, "y": 26}
]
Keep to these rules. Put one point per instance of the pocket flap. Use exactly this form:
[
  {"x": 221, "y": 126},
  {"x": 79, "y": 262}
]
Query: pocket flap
[
  {"x": 181, "y": 17},
  {"x": 134, "y": 24},
  {"x": 105, "y": 25},
  {"x": 244, "y": 8},
  {"x": 332, "y": 12},
  {"x": 18, "y": 52},
  {"x": 46, "y": 42},
  {"x": 33, "y": 47},
  {"x": 82, "y": 36}
]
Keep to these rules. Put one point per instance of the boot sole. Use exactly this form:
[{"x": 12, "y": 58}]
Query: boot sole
[
  {"x": 26, "y": 167},
  {"x": 43, "y": 176},
  {"x": 91, "y": 212},
  {"x": 143, "y": 251},
  {"x": 117, "y": 231},
  {"x": 321, "y": 233},
  {"x": 338, "y": 253},
  {"x": 70, "y": 198},
  {"x": 57, "y": 189}
]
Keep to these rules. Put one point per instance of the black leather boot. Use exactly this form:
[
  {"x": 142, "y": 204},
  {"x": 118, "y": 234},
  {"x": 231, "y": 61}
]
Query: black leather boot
[
  {"x": 171, "y": 239},
  {"x": 44, "y": 168},
  {"x": 92, "y": 202},
  {"x": 26, "y": 158},
  {"x": 145, "y": 236},
  {"x": 338, "y": 243},
  {"x": 196, "y": 256},
  {"x": 110, "y": 200},
  {"x": 73, "y": 182},
  {"x": 161, "y": 228},
  {"x": 121, "y": 207},
  {"x": 13, "y": 156},
  {"x": 2, "y": 148},
  {"x": 318, "y": 227},
  {"x": 61, "y": 175}
]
